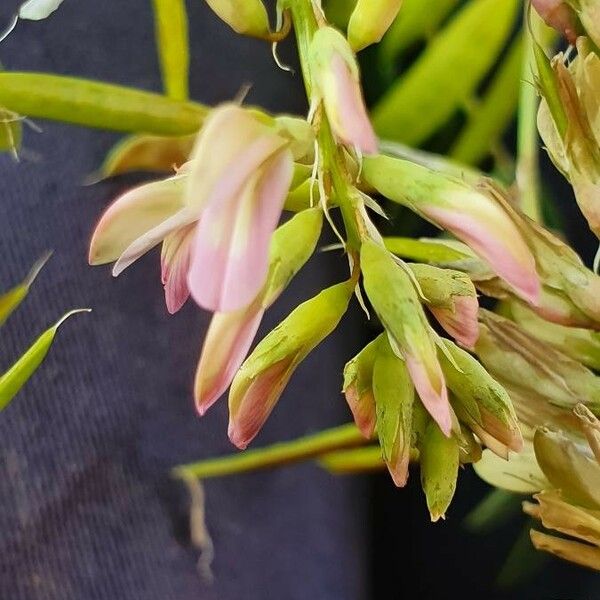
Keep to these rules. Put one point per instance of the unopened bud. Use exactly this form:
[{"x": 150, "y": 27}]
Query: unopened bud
[
  {"x": 358, "y": 387},
  {"x": 481, "y": 402},
  {"x": 395, "y": 300},
  {"x": 394, "y": 397},
  {"x": 451, "y": 297},
  {"x": 370, "y": 20},
  {"x": 471, "y": 214},
  {"x": 248, "y": 17},
  {"x": 264, "y": 375},
  {"x": 336, "y": 80},
  {"x": 439, "y": 460}
]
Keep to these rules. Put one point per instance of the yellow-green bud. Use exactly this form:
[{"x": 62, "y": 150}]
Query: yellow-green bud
[
  {"x": 395, "y": 300},
  {"x": 481, "y": 402},
  {"x": 248, "y": 17},
  {"x": 370, "y": 20},
  {"x": 394, "y": 398},
  {"x": 439, "y": 460},
  {"x": 358, "y": 387},
  {"x": 262, "y": 378}
]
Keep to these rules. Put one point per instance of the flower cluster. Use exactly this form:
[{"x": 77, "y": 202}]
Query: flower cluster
[{"x": 445, "y": 377}]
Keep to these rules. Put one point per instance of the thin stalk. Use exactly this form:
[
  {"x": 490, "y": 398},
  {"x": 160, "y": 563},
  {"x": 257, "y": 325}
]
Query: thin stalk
[
  {"x": 528, "y": 170},
  {"x": 277, "y": 455}
]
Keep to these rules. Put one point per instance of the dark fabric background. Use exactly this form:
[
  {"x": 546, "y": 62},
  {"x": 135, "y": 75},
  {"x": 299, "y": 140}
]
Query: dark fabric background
[{"x": 86, "y": 509}]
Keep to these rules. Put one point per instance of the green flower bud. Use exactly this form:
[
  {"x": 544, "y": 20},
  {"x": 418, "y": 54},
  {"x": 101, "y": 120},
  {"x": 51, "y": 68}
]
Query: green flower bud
[
  {"x": 358, "y": 387},
  {"x": 395, "y": 300},
  {"x": 439, "y": 460},
  {"x": 481, "y": 402},
  {"x": 370, "y": 20},
  {"x": 292, "y": 244},
  {"x": 301, "y": 136},
  {"x": 517, "y": 358},
  {"x": 262, "y": 378},
  {"x": 451, "y": 297},
  {"x": 394, "y": 398},
  {"x": 248, "y": 17}
]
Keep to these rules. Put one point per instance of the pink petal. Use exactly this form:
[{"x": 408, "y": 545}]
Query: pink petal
[
  {"x": 431, "y": 388},
  {"x": 258, "y": 402},
  {"x": 231, "y": 252},
  {"x": 346, "y": 109},
  {"x": 461, "y": 323},
  {"x": 559, "y": 15},
  {"x": 498, "y": 242},
  {"x": 363, "y": 410},
  {"x": 148, "y": 240},
  {"x": 175, "y": 264},
  {"x": 226, "y": 345},
  {"x": 132, "y": 215},
  {"x": 398, "y": 469}
]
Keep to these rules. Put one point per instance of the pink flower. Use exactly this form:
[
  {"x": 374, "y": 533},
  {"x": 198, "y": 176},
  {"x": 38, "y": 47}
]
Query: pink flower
[
  {"x": 215, "y": 217},
  {"x": 461, "y": 321}
]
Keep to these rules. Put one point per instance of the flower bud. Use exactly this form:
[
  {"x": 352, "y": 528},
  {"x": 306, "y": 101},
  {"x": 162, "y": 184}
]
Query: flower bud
[
  {"x": 517, "y": 358},
  {"x": 559, "y": 15},
  {"x": 395, "y": 300},
  {"x": 580, "y": 344},
  {"x": 451, "y": 297},
  {"x": 394, "y": 397},
  {"x": 358, "y": 387},
  {"x": 469, "y": 213},
  {"x": 262, "y": 378},
  {"x": 569, "y": 466},
  {"x": 370, "y": 20},
  {"x": 336, "y": 81},
  {"x": 481, "y": 402},
  {"x": 439, "y": 460},
  {"x": 230, "y": 334},
  {"x": 248, "y": 17}
]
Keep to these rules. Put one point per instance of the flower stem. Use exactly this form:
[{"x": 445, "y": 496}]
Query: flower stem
[{"x": 277, "y": 455}]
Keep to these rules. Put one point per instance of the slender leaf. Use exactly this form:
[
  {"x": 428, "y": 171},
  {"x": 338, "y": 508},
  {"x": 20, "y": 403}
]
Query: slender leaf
[
  {"x": 17, "y": 376},
  {"x": 171, "y": 26},
  {"x": 491, "y": 117},
  {"x": 447, "y": 73},
  {"x": 96, "y": 104},
  {"x": 11, "y": 299}
]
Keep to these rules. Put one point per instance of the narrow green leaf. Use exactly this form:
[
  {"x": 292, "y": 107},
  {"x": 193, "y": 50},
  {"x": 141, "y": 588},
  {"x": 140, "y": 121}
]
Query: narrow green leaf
[
  {"x": 447, "y": 73},
  {"x": 96, "y": 104},
  {"x": 11, "y": 299},
  {"x": 17, "y": 376},
  {"x": 171, "y": 26},
  {"x": 428, "y": 251},
  {"x": 418, "y": 19},
  {"x": 492, "y": 512},
  {"x": 494, "y": 113}
]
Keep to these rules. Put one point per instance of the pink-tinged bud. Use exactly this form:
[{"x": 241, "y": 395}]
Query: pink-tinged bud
[
  {"x": 470, "y": 213},
  {"x": 451, "y": 297},
  {"x": 248, "y": 17},
  {"x": 336, "y": 82},
  {"x": 358, "y": 388},
  {"x": 395, "y": 300},
  {"x": 262, "y": 378},
  {"x": 559, "y": 15},
  {"x": 226, "y": 345},
  {"x": 175, "y": 263},
  {"x": 231, "y": 334}
]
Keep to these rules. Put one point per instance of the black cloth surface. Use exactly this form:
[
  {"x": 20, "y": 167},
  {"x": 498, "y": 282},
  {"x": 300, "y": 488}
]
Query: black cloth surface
[{"x": 87, "y": 511}]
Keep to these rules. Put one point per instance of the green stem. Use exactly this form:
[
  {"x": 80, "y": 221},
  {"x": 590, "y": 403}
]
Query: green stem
[
  {"x": 528, "y": 173},
  {"x": 283, "y": 453}
]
